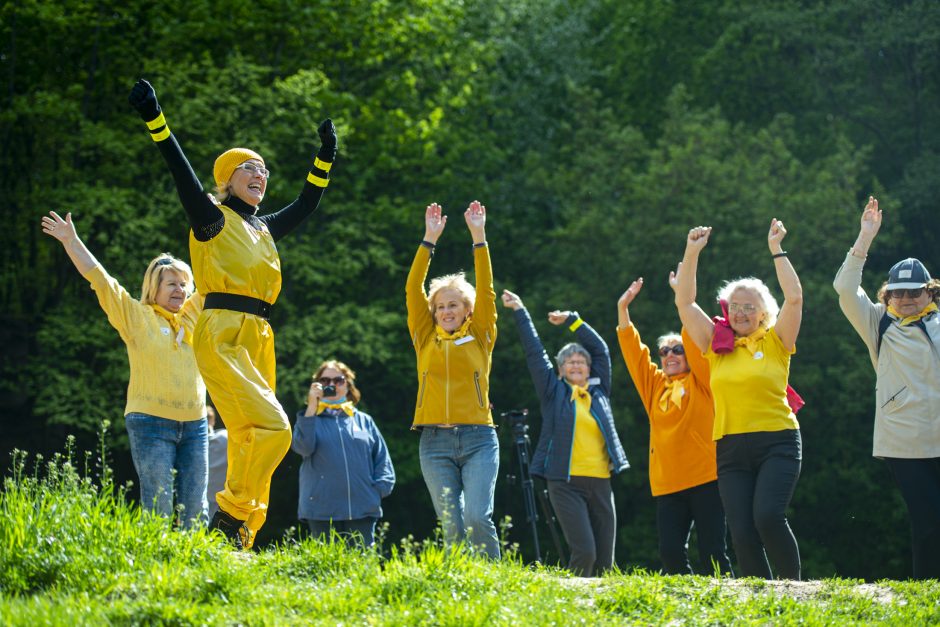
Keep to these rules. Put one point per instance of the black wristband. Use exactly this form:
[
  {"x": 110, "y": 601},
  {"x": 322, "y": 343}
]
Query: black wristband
[
  {"x": 480, "y": 245},
  {"x": 780, "y": 254},
  {"x": 427, "y": 245}
]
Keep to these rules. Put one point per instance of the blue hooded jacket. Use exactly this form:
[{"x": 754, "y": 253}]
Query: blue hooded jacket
[
  {"x": 552, "y": 458},
  {"x": 346, "y": 470}
]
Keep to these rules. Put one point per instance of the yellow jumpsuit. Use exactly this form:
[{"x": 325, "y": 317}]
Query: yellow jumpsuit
[{"x": 235, "y": 353}]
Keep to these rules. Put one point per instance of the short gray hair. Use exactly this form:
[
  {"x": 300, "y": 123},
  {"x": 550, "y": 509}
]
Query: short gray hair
[
  {"x": 755, "y": 285},
  {"x": 570, "y": 349}
]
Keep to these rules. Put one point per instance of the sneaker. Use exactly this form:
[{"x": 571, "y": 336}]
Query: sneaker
[{"x": 232, "y": 528}]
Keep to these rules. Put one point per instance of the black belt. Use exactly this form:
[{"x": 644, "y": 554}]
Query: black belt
[{"x": 236, "y": 302}]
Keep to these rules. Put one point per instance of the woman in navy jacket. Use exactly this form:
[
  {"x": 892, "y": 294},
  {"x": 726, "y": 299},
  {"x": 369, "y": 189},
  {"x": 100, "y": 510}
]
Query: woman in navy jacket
[
  {"x": 578, "y": 448},
  {"x": 346, "y": 470}
]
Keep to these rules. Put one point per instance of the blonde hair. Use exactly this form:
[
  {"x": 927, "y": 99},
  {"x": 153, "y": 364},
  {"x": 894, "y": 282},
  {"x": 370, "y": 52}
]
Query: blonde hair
[
  {"x": 457, "y": 282},
  {"x": 668, "y": 338},
  {"x": 352, "y": 392},
  {"x": 154, "y": 275},
  {"x": 768, "y": 302}
]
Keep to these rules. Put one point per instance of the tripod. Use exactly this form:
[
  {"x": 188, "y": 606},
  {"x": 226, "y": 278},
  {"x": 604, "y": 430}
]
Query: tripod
[{"x": 520, "y": 436}]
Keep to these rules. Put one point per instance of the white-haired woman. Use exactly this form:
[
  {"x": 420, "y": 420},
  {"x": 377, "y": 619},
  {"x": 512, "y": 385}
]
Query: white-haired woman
[
  {"x": 578, "y": 448},
  {"x": 902, "y": 334},
  {"x": 759, "y": 450},
  {"x": 166, "y": 398},
  {"x": 453, "y": 329},
  {"x": 238, "y": 269}
]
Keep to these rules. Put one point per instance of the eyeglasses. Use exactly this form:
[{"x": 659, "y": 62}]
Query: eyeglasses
[
  {"x": 675, "y": 350},
  {"x": 340, "y": 380},
  {"x": 747, "y": 308},
  {"x": 254, "y": 169},
  {"x": 916, "y": 292}
]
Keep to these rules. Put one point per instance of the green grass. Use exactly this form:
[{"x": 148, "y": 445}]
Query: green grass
[{"x": 74, "y": 552}]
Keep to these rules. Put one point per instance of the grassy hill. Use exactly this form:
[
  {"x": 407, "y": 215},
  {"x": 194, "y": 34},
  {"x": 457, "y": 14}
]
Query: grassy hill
[{"x": 74, "y": 552}]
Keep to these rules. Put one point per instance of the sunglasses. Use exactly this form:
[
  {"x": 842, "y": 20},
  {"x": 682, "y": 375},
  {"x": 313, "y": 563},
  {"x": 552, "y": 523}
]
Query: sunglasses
[
  {"x": 675, "y": 350},
  {"x": 911, "y": 293},
  {"x": 340, "y": 380}
]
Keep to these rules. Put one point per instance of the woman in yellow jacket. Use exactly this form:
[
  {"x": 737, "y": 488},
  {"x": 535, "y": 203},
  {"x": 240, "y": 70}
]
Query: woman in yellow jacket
[
  {"x": 165, "y": 413},
  {"x": 683, "y": 473},
  {"x": 238, "y": 268},
  {"x": 453, "y": 329}
]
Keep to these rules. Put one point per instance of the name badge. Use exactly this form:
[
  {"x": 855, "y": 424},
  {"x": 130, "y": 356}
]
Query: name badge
[
  {"x": 759, "y": 355},
  {"x": 463, "y": 340},
  {"x": 165, "y": 331}
]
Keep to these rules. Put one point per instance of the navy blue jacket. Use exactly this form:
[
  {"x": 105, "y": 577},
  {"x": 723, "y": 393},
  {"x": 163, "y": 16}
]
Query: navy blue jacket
[
  {"x": 552, "y": 458},
  {"x": 346, "y": 470}
]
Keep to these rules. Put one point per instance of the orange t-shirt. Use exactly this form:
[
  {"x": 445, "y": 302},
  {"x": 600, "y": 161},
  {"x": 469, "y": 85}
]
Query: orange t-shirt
[{"x": 682, "y": 452}]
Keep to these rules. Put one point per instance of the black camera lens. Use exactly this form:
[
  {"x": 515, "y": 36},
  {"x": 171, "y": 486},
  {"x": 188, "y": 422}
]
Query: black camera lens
[{"x": 329, "y": 390}]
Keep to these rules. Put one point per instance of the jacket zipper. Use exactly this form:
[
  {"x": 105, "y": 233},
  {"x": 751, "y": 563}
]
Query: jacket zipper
[
  {"x": 342, "y": 445},
  {"x": 893, "y": 397},
  {"x": 424, "y": 380},
  {"x": 476, "y": 382},
  {"x": 574, "y": 425},
  {"x": 446, "y": 383}
]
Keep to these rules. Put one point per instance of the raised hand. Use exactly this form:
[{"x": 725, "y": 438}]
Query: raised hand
[
  {"x": 62, "y": 230},
  {"x": 697, "y": 239},
  {"x": 144, "y": 100},
  {"x": 775, "y": 236},
  {"x": 674, "y": 277},
  {"x": 627, "y": 297},
  {"x": 871, "y": 219},
  {"x": 434, "y": 222},
  {"x": 558, "y": 317},
  {"x": 475, "y": 216},
  {"x": 327, "y": 133},
  {"x": 512, "y": 300}
]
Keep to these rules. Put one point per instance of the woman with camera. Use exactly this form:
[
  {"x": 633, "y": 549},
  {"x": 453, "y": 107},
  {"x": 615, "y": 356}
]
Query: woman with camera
[
  {"x": 578, "y": 448},
  {"x": 902, "y": 334},
  {"x": 453, "y": 330},
  {"x": 346, "y": 469}
]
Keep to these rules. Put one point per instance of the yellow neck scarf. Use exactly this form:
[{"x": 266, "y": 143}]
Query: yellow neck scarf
[
  {"x": 346, "y": 406},
  {"x": 182, "y": 334},
  {"x": 580, "y": 393},
  {"x": 751, "y": 341},
  {"x": 902, "y": 321},
  {"x": 460, "y": 332},
  {"x": 674, "y": 392}
]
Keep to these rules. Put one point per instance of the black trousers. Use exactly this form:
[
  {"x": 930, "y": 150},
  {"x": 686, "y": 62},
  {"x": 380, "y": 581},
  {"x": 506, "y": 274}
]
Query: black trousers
[
  {"x": 919, "y": 482},
  {"x": 757, "y": 473},
  {"x": 584, "y": 507},
  {"x": 675, "y": 515},
  {"x": 357, "y": 532}
]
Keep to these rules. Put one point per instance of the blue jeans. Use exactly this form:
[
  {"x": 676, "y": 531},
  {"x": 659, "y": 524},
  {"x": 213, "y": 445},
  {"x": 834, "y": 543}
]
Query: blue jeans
[
  {"x": 159, "y": 447},
  {"x": 459, "y": 465}
]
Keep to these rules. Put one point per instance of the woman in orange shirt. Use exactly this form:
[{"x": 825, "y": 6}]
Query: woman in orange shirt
[{"x": 683, "y": 473}]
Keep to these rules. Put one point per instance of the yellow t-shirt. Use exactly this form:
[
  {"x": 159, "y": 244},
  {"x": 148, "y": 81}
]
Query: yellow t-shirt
[
  {"x": 589, "y": 456},
  {"x": 164, "y": 380},
  {"x": 750, "y": 389}
]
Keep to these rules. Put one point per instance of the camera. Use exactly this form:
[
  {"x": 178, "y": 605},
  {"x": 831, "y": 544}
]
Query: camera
[
  {"x": 329, "y": 390},
  {"x": 517, "y": 424}
]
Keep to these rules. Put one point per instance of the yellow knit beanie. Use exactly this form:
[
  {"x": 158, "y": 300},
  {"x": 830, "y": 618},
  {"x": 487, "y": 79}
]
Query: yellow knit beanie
[{"x": 229, "y": 160}]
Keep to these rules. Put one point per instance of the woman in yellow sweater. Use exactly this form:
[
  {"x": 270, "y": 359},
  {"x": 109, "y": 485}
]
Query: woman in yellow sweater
[
  {"x": 453, "y": 330},
  {"x": 166, "y": 410},
  {"x": 759, "y": 450},
  {"x": 683, "y": 475}
]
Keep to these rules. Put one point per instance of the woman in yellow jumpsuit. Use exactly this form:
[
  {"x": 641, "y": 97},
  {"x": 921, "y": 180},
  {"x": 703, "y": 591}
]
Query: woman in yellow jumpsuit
[{"x": 237, "y": 267}]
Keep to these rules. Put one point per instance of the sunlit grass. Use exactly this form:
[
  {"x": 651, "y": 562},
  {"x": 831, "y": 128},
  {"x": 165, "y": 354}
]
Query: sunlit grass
[{"x": 74, "y": 551}]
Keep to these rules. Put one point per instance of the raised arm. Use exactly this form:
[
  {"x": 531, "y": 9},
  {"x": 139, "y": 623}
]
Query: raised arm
[
  {"x": 420, "y": 320},
  {"x": 636, "y": 355},
  {"x": 591, "y": 341},
  {"x": 64, "y": 231},
  {"x": 484, "y": 308},
  {"x": 289, "y": 218},
  {"x": 537, "y": 360},
  {"x": 791, "y": 313},
  {"x": 854, "y": 302},
  {"x": 683, "y": 282},
  {"x": 204, "y": 216}
]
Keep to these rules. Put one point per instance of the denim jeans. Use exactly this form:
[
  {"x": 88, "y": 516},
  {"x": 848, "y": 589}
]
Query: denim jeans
[
  {"x": 459, "y": 465},
  {"x": 159, "y": 447}
]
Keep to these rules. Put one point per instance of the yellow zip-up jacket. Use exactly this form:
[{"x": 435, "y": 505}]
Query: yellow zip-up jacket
[{"x": 453, "y": 369}]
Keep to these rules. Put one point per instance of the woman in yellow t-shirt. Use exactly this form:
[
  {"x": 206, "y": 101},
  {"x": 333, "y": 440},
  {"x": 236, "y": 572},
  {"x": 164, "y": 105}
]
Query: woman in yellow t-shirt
[
  {"x": 759, "y": 450},
  {"x": 166, "y": 398}
]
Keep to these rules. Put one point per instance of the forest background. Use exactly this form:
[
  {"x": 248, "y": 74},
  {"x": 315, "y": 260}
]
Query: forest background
[{"x": 595, "y": 132}]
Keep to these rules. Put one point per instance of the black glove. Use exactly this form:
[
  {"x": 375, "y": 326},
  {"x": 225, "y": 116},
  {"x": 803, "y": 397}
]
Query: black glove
[
  {"x": 144, "y": 99},
  {"x": 327, "y": 133}
]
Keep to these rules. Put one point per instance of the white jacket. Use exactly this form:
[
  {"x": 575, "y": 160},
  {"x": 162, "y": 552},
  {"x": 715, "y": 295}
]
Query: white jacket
[{"x": 907, "y": 389}]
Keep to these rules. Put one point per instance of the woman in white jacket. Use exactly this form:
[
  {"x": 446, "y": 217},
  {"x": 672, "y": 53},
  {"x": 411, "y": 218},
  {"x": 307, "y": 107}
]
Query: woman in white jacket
[{"x": 902, "y": 333}]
